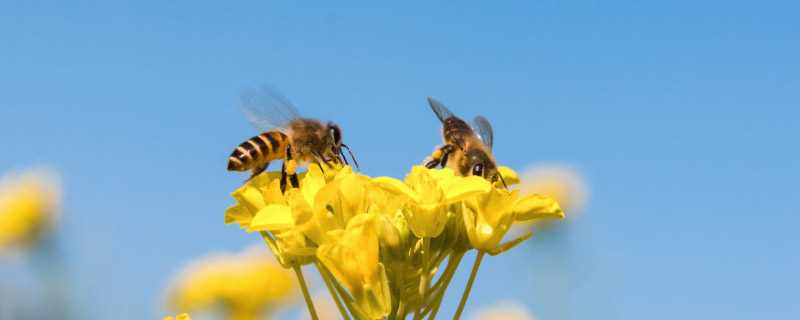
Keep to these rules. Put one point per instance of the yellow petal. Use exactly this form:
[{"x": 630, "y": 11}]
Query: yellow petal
[
  {"x": 273, "y": 217},
  {"x": 458, "y": 189},
  {"x": 396, "y": 187},
  {"x": 510, "y": 176},
  {"x": 238, "y": 214},
  {"x": 537, "y": 206},
  {"x": 251, "y": 197}
]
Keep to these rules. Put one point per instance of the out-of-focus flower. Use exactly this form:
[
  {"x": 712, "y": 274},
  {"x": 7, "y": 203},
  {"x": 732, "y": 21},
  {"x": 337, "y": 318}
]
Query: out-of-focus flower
[
  {"x": 29, "y": 207},
  {"x": 182, "y": 316},
  {"x": 561, "y": 182},
  {"x": 504, "y": 311},
  {"x": 246, "y": 285}
]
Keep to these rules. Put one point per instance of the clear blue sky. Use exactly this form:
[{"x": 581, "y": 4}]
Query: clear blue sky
[{"x": 683, "y": 115}]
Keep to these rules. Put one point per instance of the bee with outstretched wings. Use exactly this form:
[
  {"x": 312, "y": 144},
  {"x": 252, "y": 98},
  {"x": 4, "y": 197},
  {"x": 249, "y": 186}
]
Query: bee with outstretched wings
[{"x": 286, "y": 136}]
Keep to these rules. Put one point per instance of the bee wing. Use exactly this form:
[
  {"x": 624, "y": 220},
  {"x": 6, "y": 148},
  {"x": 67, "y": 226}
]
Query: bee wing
[
  {"x": 267, "y": 109},
  {"x": 483, "y": 128},
  {"x": 440, "y": 110}
]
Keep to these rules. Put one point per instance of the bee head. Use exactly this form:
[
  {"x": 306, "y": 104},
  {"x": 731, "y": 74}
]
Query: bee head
[
  {"x": 334, "y": 134},
  {"x": 479, "y": 163},
  {"x": 335, "y": 140}
]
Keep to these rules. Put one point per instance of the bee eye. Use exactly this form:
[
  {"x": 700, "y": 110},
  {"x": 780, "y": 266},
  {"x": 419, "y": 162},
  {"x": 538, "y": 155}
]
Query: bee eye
[
  {"x": 336, "y": 135},
  {"x": 477, "y": 170}
]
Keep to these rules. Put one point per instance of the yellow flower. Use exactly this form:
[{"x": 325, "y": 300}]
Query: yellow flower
[
  {"x": 245, "y": 285},
  {"x": 489, "y": 216},
  {"x": 287, "y": 217},
  {"x": 429, "y": 194},
  {"x": 379, "y": 243},
  {"x": 28, "y": 209},
  {"x": 561, "y": 182},
  {"x": 504, "y": 311},
  {"x": 351, "y": 255},
  {"x": 182, "y": 316}
]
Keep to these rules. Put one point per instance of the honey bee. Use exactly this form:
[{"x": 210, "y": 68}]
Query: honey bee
[
  {"x": 286, "y": 136},
  {"x": 467, "y": 149}
]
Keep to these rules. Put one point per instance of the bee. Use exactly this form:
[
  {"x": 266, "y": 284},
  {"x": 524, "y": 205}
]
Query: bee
[
  {"x": 467, "y": 149},
  {"x": 285, "y": 136}
]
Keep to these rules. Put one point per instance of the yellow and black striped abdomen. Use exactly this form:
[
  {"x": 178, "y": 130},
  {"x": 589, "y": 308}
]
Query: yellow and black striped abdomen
[{"x": 258, "y": 150}]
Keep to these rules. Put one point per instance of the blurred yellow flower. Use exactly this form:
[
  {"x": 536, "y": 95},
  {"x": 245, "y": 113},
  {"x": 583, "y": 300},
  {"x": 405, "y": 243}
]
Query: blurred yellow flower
[
  {"x": 29, "y": 205},
  {"x": 245, "y": 285},
  {"x": 504, "y": 311},
  {"x": 561, "y": 182},
  {"x": 182, "y": 316}
]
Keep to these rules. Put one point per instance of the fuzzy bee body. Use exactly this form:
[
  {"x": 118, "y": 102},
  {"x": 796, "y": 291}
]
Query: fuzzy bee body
[
  {"x": 467, "y": 148},
  {"x": 286, "y": 136}
]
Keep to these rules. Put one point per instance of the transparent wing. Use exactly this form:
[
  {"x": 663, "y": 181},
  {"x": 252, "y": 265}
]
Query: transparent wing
[
  {"x": 439, "y": 109},
  {"x": 483, "y": 128},
  {"x": 267, "y": 109}
]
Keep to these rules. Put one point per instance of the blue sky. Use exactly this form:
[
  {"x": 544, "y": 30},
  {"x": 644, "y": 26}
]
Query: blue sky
[{"x": 682, "y": 115}]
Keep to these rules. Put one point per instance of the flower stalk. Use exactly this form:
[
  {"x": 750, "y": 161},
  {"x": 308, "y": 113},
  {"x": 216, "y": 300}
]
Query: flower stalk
[
  {"x": 470, "y": 282},
  {"x": 306, "y": 295}
]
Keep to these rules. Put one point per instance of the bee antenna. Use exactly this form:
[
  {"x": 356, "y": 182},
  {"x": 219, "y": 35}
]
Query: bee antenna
[
  {"x": 502, "y": 180},
  {"x": 351, "y": 155},
  {"x": 343, "y": 157}
]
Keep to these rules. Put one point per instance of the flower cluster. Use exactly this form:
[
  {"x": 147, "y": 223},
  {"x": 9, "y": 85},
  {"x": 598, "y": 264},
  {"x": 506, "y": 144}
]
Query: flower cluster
[
  {"x": 245, "y": 285},
  {"x": 379, "y": 242}
]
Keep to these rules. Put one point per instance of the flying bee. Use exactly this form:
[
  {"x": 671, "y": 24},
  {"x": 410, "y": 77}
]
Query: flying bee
[
  {"x": 286, "y": 136},
  {"x": 467, "y": 149}
]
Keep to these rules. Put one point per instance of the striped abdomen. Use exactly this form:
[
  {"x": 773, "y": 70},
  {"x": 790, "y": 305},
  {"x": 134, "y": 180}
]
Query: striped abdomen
[
  {"x": 258, "y": 150},
  {"x": 456, "y": 131}
]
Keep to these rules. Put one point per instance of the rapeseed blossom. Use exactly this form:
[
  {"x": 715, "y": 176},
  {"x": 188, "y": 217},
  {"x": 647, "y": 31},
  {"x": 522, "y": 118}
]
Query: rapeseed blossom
[
  {"x": 29, "y": 207},
  {"x": 379, "y": 242},
  {"x": 245, "y": 285},
  {"x": 182, "y": 316}
]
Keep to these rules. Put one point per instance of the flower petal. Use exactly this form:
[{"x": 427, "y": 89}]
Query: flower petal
[
  {"x": 238, "y": 214},
  {"x": 396, "y": 187},
  {"x": 535, "y": 206},
  {"x": 273, "y": 217},
  {"x": 459, "y": 188},
  {"x": 509, "y": 176}
]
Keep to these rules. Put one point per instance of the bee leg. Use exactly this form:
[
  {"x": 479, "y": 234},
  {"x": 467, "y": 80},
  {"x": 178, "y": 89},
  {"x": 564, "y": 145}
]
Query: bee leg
[
  {"x": 320, "y": 159},
  {"x": 283, "y": 178},
  {"x": 290, "y": 168},
  {"x": 258, "y": 170},
  {"x": 439, "y": 156}
]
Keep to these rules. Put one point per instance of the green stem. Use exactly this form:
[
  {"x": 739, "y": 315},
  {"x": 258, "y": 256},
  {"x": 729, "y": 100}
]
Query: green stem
[
  {"x": 449, "y": 272},
  {"x": 328, "y": 284},
  {"x": 426, "y": 275},
  {"x": 306, "y": 294},
  {"x": 472, "y": 276}
]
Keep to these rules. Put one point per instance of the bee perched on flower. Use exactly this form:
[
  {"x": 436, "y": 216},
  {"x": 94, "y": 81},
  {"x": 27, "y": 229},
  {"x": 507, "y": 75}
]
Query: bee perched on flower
[
  {"x": 245, "y": 285},
  {"x": 29, "y": 206},
  {"x": 379, "y": 242}
]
